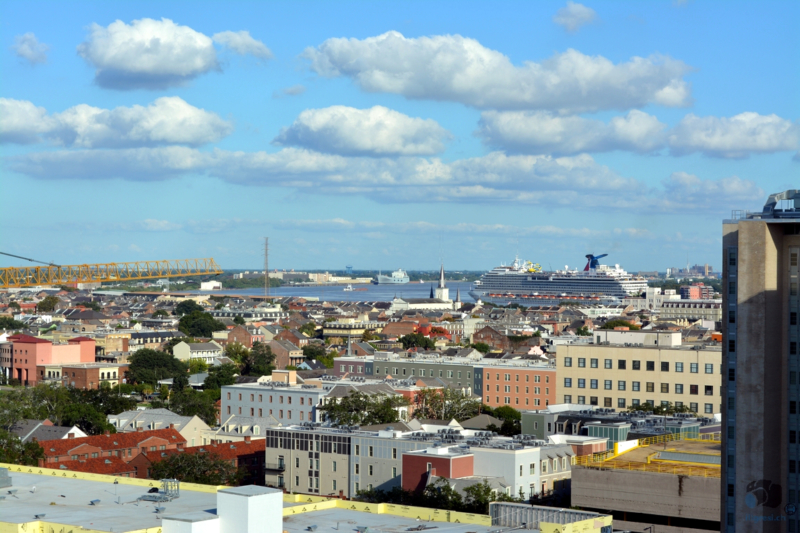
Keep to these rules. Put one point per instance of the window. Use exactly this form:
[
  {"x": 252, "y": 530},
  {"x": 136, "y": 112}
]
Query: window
[
  {"x": 370, "y": 451},
  {"x": 567, "y": 363},
  {"x": 606, "y": 402},
  {"x": 621, "y": 364},
  {"x": 394, "y": 471},
  {"x": 650, "y": 386},
  {"x": 635, "y": 402},
  {"x": 581, "y": 400},
  {"x": 693, "y": 368},
  {"x": 297, "y": 462},
  {"x": 532, "y": 469},
  {"x": 620, "y": 385},
  {"x": 621, "y": 403},
  {"x": 581, "y": 362},
  {"x": 708, "y": 408},
  {"x": 544, "y": 467},
  {"x": 665, "y": 366},
  {"x": 520, "y": 470},
  {"x": 593, "y": 363},
  {"x": 333, "y": 466},
  {"x": 357, "y": 467},
  {"x": 568, "y": 398},
  {"x": 334, "y": 485},
  {"x": 635, "y": 386},
  {"x": 593, "y": 400},
  {"x": 678, "y": 388},
  {"x": 693, "y": 389},
  {"x": 369, "y": 468},
  {"x": 607, "y": 363},
  {"x": 731, "y": 374},
  {"x": 358, "y": 449},
  {"x": 793, "y": 318},
  {"x": 709, "y": 390},
  {"x": 394, "y": 453},
  {"x": 678, "y": 367},
  {"x": 732, "y": 287},
  {"x": 651, "y": 366},
  {"x": 665, "y": 388},
  {"x": 709, "y": 368},
  {"x": 357, "y": 485},
  {"x": 581, "y": 383},
  {"x": 637, "y": 365},
  {"x": 607, "y": 384},
  {"x": 593, "y": 383},
  {"x": 229, "y": 395}
]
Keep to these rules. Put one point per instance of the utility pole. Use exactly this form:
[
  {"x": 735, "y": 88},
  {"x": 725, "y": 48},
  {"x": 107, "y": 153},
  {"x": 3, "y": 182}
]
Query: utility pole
[{"x": 266, "y": 267}]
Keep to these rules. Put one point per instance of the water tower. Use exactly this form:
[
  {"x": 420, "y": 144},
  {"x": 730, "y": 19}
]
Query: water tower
[{"x": 348, "y": 269}]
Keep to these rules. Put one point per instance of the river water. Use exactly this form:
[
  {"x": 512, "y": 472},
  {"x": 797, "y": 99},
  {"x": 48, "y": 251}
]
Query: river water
[{"x": 374, "y": 293}]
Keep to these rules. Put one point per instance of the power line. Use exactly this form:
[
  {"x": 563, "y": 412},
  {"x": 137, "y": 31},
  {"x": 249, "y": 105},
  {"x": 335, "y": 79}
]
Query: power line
[{"x": 29, "y": 259}]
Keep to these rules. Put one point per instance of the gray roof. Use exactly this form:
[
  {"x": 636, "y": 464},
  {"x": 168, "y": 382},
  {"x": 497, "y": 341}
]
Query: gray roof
[
  {"x": 481, "y": 422},
  {"x": 149, "y": 419},
  {"x": 204, "y": 346}
]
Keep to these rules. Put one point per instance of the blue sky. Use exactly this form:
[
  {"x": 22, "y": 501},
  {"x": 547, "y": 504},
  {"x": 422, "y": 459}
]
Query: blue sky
[{"x": 392, "y": 134}]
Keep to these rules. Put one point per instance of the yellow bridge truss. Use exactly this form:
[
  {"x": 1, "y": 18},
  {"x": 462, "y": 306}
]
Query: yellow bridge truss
[{"x": 106, "y": 272}]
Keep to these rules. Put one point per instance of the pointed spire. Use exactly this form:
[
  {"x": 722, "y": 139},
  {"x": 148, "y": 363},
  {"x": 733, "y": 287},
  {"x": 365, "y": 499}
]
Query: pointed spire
[
  {"x": 458, "y": 294},
  {"x": 441, "y": 277},
  {"x": 431, "y": 291}
]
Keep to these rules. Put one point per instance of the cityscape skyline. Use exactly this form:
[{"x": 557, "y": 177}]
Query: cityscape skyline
[{"x": 393, "y": 135}]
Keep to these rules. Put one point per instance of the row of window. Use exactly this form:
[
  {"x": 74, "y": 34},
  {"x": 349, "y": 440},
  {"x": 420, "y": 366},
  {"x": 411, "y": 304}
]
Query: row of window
[
  {"x": 402, "y": 371},
  {"x": 280, "y": 413},
  {"x": 507, "y": 388},
  {"x": 507, "y": 400},
  {"x": 303, "y": 400},
  {"x": 507, "y": 377},
  {"x": 637, "y": 365},
  {"x": 637, "y": 386},
  {"x": 621, "y": 403}
]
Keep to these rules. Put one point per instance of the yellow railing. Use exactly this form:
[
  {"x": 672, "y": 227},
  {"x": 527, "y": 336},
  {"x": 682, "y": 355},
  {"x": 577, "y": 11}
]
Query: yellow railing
[
  {"x": 657, "y": 468},
  {"x": 706, "y": 437},
  {"x": 659, "y": 439},
  {"x": 583, "y": 460}
]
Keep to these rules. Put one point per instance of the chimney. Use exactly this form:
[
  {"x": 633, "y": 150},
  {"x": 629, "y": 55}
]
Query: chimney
[
  {"x": 172, "y": 426},
  {"x": 138, "y": 430},
  {"x": 108, "y": 433},
  {"x": 247, "y": 439},
  {"x": 71, "y": 435}
]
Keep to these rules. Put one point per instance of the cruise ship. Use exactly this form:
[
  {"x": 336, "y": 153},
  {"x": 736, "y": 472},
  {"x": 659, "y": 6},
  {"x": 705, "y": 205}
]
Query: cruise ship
[
  {"x": 525, "y": 283},
  {"x": 398, "y": 277}
]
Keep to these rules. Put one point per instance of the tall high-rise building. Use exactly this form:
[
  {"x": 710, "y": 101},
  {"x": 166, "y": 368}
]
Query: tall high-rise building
[{"x": 760, "y": 481}]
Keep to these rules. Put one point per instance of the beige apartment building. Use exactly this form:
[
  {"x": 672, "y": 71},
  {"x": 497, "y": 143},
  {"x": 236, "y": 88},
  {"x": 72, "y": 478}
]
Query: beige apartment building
[{"x": 619, "y": 376}]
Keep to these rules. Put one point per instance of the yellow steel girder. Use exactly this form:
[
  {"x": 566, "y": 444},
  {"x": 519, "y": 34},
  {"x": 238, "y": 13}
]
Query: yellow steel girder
[{"x": 103, "y": 272}]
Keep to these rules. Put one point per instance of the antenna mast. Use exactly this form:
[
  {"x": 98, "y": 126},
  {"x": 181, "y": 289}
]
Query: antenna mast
[{"x": 266, "y": 267}]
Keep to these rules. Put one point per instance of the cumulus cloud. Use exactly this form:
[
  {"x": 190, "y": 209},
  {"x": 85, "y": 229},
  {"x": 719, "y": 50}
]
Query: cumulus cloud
[
  {"x": 147, "y": 54},
  {"x": 734, "y": 137},
  {"x": 455, "y": 68},
  {"x": 28, "y": 47},
  {"x": 21, "y": 122},
  {"x": 573, "y": 16},
  {"x": 242, "y": 43},
  {"x": 294, "y": 90},
  {"x": 538, "y": 132},
  {"x": 377, "y": 131},
  {"x": 687, "y": 189},
  {"x": 168, "y": 120}
]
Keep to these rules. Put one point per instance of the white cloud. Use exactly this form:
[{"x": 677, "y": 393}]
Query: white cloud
[
  {"x": 294, "y": 90},
  {"x": 734, "y": 137},
  {"x": 21, "y": 122},
  {"x": 455, "y": 68},
  {"x": 28, "y": 47},
  {"x": 243, "y": 44},
  {"x": 168, "y": 120},
  {"x": 575, "y": 183},
  {"x": 151, "y": 224},
  {"x": 147, "y": 54},
  {"x": 573, "y": 16},
  {"x": 377, "y": 131},
  {"x": 538, "y": 132}
]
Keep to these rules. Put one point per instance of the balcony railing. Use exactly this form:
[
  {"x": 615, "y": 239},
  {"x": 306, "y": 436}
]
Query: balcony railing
[{"x": 275, "y": 466}]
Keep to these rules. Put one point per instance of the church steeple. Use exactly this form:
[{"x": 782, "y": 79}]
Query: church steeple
[
  {"x": 442, "y": 292},
  {"x": 441, "y": 277},
  {"x": 431, "y": 291}
]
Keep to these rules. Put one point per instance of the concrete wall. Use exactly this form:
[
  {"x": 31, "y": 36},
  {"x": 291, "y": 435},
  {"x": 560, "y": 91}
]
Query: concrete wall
[
  {"x": 645, "y": 492},
  {"x": 387, "y": 454}
]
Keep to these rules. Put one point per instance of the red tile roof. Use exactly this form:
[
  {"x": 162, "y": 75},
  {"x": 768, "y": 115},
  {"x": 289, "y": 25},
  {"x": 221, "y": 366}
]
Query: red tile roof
[
  {"x": 27, "y": 339},
  {"x": 114, "y": 441},
  {"x": 101, "y": 465}
]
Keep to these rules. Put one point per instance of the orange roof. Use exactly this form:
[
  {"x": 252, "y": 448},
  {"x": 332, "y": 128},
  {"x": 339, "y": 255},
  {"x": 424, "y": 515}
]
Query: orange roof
[
  {"x": 27, "y": 339},
  {"x": 114, "y": 441},
  {"x": 101, "y": 465}
]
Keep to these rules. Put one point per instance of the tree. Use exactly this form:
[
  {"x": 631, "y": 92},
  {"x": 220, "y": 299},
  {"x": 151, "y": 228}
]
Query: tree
[
  {"x": 197, "y": 366},
  {"x": 238, "y": 320},
  {"x": 309, "y": 329},
  {"x": 149, "y": 366},
  {"x": 313, "y": 351},
  {"x": 219, "y": 376},
  {"x": 482, "y": 347},
  {"x": 360, "y": 409},
  {"x": 190, "y": 402},
  {"x": 440, "y": 495},
  {"x": 13, "y": 451},
  {"x": 48, "y": 304},
  {"x": 416, "y": 340},
  {"x": 260, "y": 361},
  {"x": 369, "y": 335},
  {"x": 159, "y": 313},
  {"x": 180, "y": 382},
  {"x": 205, "y": 468},
  {"x": 188, "y": 307},
  {"x": 94, "y": 306},
  {"x": 446, "y": 404},
  {"x": 583, "y": 331},
  {"x": 236, "y": 352},
  {"x": 619, "y": 323},
  {"x": 6, "y": 322},
  {"x": 14, "y": 305},
  {"x": 478, "y": 497},
  {"x": 199, "y": 324}
]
